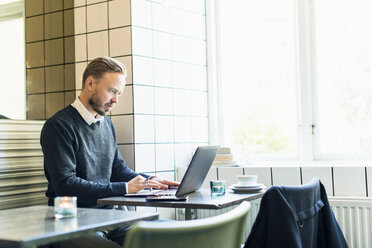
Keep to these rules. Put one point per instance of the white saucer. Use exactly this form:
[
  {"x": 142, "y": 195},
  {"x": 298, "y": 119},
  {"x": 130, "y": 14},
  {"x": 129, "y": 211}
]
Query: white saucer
[
  {"x": 255, "y": 186},
  {"x": 247, "y": 190}
]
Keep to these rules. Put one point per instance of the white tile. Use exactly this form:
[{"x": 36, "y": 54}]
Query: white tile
[
  {"x": 125, "y": 104},
  {"x": 97, "y": 17},
  {"x": 161, "y": 18},
  {"x": 198, "y": 77},
  {"x": 323, "y": 173},
  {"x": 182, "y": 129},
  {"x": 79, "y": 3},
  {"x": 212, "y": 175},
  {"x": 143, "y": 99},
  {"x": 164, "y": 129},
  {"x": 180, "y": 22},
  {"x": 197, "y": 22},
  {"x": 263, "y": 174},
  {"x": 144, "y": 129},
  {"x": 80, "y": 48},
  {"x": 127, "y": 62},
  {"x": 180, "y": 49},
  {"x": 141, "y": 13},
  {"x": 163, "y": 73},
  {"x": 162, "y": 45},
  {"x": 164, "y": 157},
  {"x": 97, "y": 45},
  {"x": 198, "y": 50},
  {"x": 124, "y": 128},
  {"x": 286, "y": 176},
  {"x": 166, "y": 175},
  {"x": 119, "y": 13},
  {"x": 183, "y": 154},
  {"x": 120, "y": 41},
  {"x": 142, "y": 70},
  {"x": 190, "y": 5},
  {"x": 80, "y": 20},
  {"x": 349, "y": 181},
  {"x": 199, "y": 103},
  {"x": 145, "y": 157},
  {"x": 141, "y": 41},
  {"x": 199, "y": 129},
  {"x": 229, "y": 174},
  {"x": 181, "y": 75},
  {"x": 163, "y": 101},
  {"x": 79, "y": 70},
  {"x": 182, "y": 101},
  {"x": 127, "y": 151}
]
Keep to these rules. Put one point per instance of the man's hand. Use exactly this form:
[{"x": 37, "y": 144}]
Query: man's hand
[{"x": 139, "y": 183}]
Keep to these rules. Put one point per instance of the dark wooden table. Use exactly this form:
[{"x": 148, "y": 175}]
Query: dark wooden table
[
  {"x": 198, "y": 200},
  {"x": 36, "y": 225}
]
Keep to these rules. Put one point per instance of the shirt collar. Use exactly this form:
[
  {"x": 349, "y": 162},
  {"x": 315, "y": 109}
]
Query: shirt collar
[{"x": 83, "y": 111}]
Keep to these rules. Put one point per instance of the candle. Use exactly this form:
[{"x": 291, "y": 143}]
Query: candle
[{"x": 65, "y": 206}]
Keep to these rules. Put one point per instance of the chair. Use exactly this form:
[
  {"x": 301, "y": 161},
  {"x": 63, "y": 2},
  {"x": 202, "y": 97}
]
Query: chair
[
  {"x": 222, "y": 231},
  {"x": 296, "y": 216}
]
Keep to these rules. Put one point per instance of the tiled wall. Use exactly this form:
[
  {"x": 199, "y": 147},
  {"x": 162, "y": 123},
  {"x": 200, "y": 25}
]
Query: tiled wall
[
  {"x": 163, "y": 114},
  {"x": 340, "y": 180}
]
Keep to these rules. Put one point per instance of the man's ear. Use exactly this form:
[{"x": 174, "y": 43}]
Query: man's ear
[{"x": 89, "y": 83}]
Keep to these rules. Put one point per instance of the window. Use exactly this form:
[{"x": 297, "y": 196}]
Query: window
[
  {"x": 295, "y": 78},
  {"x": 12, "y": 63}
]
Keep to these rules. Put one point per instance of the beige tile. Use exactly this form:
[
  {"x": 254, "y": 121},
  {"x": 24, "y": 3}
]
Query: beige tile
[
  {"x": 35, "y": 54},
  {"x": 70, "y": 77},
  {"x": 127, "y": 152},
  {"x": 97, "y": 17},
  {"x": 97, "y": 44},
  {"x": 120, "y": 41},
  {"x": 69, "y": 49},
  {"x": 52, "y": 5},
  {"x": 67, "y": 4},
  {"x": 68, "y": 22},
  {"x": 119, "y": 13},
  {"x": 54, "y": 103},
  {"x": 35, "y": 80},
  {"x": 34, "y": 28},
  {"x": 54, "y": 52},
  {"x": 34, "y": 7},
  {"x": 127, "y": 61},
  {"x": 80, "y": 48},
  {"x": 80, "y": 20},
  {"x": 94, "y": 1},
  {"x": 125, "y": 104},
  {"x": 54, "y": 78},
  {"x": 79, "y": 70},
  {"x": 36, "y": 107},
  {"x": 124, "y": 128},
  {"x": 78, "y": 3},
  {"x": 69, "y": 97},
  {"x": 53, "y": 25}
]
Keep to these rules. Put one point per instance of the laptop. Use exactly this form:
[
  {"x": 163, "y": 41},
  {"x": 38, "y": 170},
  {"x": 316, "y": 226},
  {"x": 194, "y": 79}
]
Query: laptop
[{"x": 192, "y": 180}]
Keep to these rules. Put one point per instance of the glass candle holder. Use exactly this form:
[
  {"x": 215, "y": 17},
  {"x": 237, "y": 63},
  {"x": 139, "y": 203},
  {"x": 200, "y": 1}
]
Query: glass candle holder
[
  {"x": 217, "y": 187},
  {"x": 65, "y": 206}
]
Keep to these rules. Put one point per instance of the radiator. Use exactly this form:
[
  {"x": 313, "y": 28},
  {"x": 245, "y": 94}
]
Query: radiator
[{"x": 352, "y": 214}]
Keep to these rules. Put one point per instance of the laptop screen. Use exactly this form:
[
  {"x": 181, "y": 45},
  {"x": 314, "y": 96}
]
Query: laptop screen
[{"x": 198, "y": 169}]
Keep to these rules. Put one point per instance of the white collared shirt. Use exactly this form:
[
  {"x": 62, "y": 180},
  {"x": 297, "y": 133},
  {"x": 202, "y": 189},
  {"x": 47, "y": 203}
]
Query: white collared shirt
[{"x": 83, "y": 111}]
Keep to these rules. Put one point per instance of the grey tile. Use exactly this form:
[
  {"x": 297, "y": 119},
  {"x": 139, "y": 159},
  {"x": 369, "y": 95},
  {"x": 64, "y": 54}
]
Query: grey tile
[
  {"x": 69, "y": 50},
  {"x": 35, "y": 80},
  {"x": 34, "y": 28},
  {"x": 70, "y": 77},
  {"x": 68, "y": 24},
  {"x": 54, "y": 52},
  {"x": 34, "y": 7},
  {"x": 53, "y": 25},
  {"x": 67, "y": 4},
  {"x": 52, "y": 5},
  {"x": 54, "y": 78},
  {"x": 54, "y": 103},
  {"x": 36, "y": 107},
  {"x": 69, "y": 97},
  {"x": 35, "y": 54}
]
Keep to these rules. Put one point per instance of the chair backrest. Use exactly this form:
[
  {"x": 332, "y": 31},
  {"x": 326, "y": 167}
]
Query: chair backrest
[
  {"x": 296, "y": 216},
  {"x": 222, "y": 231}
]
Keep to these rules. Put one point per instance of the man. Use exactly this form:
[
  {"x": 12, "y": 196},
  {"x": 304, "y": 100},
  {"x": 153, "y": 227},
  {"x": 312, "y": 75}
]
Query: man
[{"x": 81, "y": 157}]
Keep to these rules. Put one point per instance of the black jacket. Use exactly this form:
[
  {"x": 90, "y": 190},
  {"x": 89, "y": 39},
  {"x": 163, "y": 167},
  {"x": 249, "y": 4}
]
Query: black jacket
[{"x": 298, "y": 217}]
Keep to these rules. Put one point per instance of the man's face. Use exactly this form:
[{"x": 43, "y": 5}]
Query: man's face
[{"x": 106, "y": 92}]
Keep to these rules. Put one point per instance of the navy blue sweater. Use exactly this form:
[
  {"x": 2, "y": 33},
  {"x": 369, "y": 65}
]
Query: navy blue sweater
[{"x": 82, "y": 160}]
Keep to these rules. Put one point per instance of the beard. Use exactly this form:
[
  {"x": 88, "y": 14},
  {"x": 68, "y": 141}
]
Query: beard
[{"x": 96, "y": 105}]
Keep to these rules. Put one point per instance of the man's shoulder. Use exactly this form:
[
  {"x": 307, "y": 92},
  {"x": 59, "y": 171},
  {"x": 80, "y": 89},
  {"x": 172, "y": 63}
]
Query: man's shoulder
[{"x": 65, "y": 116}]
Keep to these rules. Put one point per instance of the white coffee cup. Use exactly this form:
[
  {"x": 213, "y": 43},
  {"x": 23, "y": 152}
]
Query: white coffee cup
[{"x": 247, "y": 180}]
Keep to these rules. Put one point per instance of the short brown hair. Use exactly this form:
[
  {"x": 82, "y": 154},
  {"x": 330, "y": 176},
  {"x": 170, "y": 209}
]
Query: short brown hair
[{"x": 99, "y": 66}]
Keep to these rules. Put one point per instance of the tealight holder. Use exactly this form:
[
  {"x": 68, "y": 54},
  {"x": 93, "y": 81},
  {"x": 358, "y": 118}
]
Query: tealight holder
[
  {"x": 65, "y": 206},
  {"x": 217, "y": 187}
]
